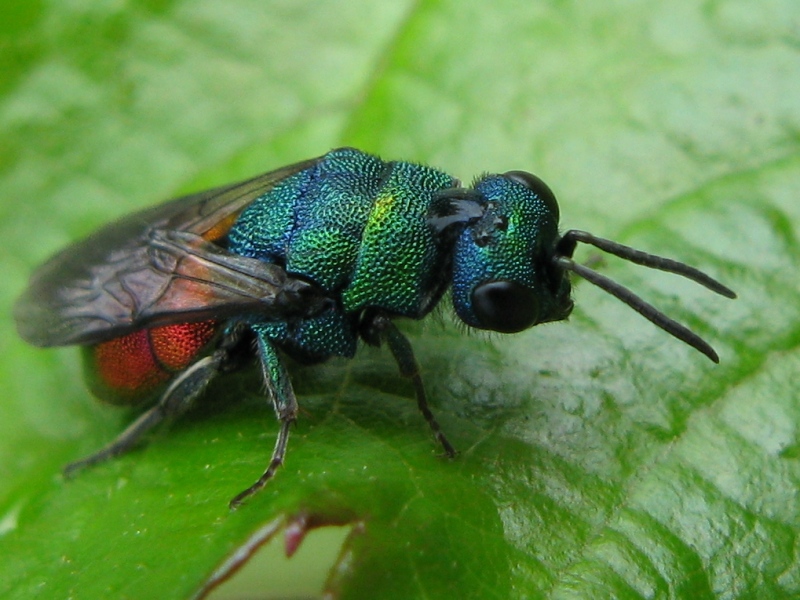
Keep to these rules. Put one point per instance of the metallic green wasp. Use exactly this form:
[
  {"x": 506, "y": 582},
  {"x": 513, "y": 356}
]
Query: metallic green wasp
[{"x": 307, "y": 261}]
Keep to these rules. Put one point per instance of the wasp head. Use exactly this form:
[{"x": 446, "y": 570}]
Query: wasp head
[{"x": 505, "y": 277}]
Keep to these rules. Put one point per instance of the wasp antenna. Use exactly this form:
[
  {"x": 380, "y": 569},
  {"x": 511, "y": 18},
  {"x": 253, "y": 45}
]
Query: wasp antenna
[
  {"x": 648, "y": 311},
  {"x": 638, "y": 257}
]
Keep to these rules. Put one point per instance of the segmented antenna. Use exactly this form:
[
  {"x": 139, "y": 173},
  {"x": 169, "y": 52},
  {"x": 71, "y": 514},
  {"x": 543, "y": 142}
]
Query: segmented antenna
[{"x": 563, "y": 258}]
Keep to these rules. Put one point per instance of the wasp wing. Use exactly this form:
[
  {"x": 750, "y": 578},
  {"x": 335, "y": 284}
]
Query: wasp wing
[{"x": 161, "y": 266}]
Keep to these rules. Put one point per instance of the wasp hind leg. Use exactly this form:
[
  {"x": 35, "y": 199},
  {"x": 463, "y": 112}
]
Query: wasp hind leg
[{"x": 178, "y": 398}]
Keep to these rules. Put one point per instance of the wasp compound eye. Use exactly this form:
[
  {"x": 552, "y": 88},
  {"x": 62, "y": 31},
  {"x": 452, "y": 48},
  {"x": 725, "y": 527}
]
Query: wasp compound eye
[
  {"x": 505, "y": 306},
  {"x": 538, "y": 187}
]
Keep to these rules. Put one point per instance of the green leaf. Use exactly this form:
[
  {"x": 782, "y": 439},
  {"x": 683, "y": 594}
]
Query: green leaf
[{"x": 599, "y": 457}]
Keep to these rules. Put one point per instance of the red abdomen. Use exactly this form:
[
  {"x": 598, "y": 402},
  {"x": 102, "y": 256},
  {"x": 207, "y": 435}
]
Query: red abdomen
[{"x": 132, "y": 368}]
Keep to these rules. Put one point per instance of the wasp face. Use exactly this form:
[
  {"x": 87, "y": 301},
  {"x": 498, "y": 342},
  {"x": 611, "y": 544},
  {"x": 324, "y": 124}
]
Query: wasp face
[{"x": 504, "y": 276}]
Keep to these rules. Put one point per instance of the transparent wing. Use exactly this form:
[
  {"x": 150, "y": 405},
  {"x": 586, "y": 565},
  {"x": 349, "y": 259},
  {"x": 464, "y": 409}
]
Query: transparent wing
[{"x": 157, "y": 267}]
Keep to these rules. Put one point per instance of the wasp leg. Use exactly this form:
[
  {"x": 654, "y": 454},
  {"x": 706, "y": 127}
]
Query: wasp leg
[
  {"x": 284, "y": 401},
  {"x": 176, "y": 400},
  {"x": 401, "y": 349}
]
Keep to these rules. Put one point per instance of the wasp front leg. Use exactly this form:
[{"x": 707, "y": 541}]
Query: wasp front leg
[{"x": 380, "y": 328}]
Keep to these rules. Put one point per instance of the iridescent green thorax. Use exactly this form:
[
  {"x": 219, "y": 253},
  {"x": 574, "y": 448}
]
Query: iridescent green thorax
[
  {"x": 400, "y": 262},
  {"x": 358, "y": 227}
]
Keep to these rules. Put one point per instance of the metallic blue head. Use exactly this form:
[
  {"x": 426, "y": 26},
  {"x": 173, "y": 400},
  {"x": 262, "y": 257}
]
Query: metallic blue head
[{"x": 505, "y": 277}]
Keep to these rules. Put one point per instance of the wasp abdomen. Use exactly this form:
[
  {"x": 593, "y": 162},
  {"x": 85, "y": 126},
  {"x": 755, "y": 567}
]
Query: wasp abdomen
[{"x": 133, "y": 368}]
